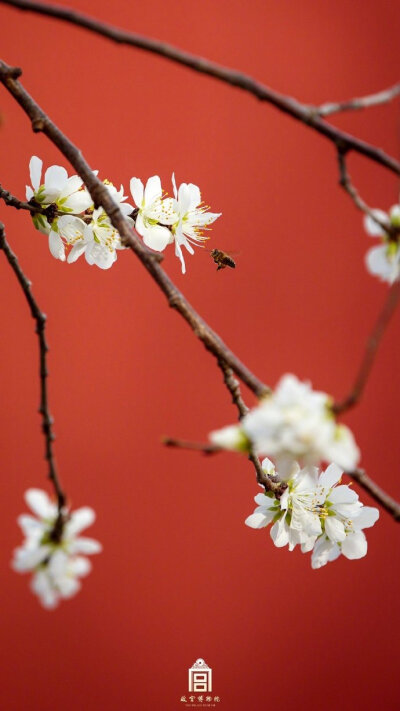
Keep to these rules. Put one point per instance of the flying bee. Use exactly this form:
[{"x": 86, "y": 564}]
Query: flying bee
[{"x": 222, "y": 259}]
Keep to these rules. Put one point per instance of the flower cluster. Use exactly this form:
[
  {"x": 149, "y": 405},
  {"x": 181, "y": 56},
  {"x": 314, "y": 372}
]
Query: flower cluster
[
  {"x": 317, "y": 513},
  {"x": 293, "y": 423},
  {"x": 384, "y": 261},
  {"x": 52, "y": 553},
  {"x": 75, "y": 227}
]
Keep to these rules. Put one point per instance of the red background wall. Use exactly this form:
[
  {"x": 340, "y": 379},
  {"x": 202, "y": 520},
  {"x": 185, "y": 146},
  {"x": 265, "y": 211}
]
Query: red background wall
[{"x": 181, "y": 576}]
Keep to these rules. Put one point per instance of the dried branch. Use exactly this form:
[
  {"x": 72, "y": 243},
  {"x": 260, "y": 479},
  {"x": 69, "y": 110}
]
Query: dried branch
[
  {"x": 386, "y": 501},
  {"x": 371, "y": 348},
  {"x": 195, "y": 446},
  {"x": 150, "y": 260},
  {"x": 347, "y": 185},
  {"x": 47, "y": 420},
  {"x": 364, "y": 102},
  {"x": 287, "y": 104},
  {"x": 270, "y": 483}
]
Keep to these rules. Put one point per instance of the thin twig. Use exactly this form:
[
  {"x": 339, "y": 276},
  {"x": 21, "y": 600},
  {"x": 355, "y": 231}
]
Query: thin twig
[
  {"x": 347, "y": 185},
  {"x": 386, "y": 501},
  {"x": 363, "y": 102},
  {"x": 371, "y": 348},
  {"x": 195, "y": 446},
  {"x": 287, "y": 104},
  {"x": 150, "y": 260},
  {"x": 270, "y": 483},
  {"x": 47, "y": 420}
]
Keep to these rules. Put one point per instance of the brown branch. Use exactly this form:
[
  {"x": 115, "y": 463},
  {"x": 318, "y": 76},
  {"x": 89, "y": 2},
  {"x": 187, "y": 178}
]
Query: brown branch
[
  {"x": 386, "y": 501},
  {"x": 270, "y": 483},
  {"x": 286, "y": 104},
  {"x": 347, "y": 185},
  {"x": 371, "y": 348},
  {"x": 363, "y": 102},
  {"x": 195, "y": 446},
  {"x": 47, "y": 420},
  {"x": 100, "y": 196}
]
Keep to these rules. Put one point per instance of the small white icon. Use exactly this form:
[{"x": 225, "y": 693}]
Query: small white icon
[{"x": 200, "y": 677}]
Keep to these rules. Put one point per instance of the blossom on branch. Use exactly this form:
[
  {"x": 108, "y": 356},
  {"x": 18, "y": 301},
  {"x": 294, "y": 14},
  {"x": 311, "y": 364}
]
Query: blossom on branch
[
  {"x": 293, "y": 423},
  {"x": 316, "y": 512},
  {"x": 384, "y": 261},
  {"x": 52, "y": 548},
  {"x": 162, "y": 220}
]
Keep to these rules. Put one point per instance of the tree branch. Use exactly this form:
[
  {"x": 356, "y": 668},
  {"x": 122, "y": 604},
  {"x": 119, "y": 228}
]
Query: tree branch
[
  {"x": 150, "y": 260},
  {"x": 347, "y": 185},
  {"x": 47, "y": 420},
  {"x": 386, "y": 501},
  {"x": 287, "y": 104},
  {"x": 364, "y": 102},
  {"x": 371, "y": 348}
]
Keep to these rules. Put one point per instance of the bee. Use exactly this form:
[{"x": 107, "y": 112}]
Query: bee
[{"x": 222, "y": 259}]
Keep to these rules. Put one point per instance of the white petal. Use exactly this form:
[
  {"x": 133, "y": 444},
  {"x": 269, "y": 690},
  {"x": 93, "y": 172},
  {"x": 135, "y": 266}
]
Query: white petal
[
  {"x": 343, "y": 495},
  {"x": 100, "y": 256},
  {"x": 40, "y": 503},
  {"x": 68, "y": 586},
  {"x": 334, "y": 529},
  {"x": 136, "y": 187},
  {"x": 372, "y": 227},
  {"x": 257, "y": 520},
  {"x": 330, "y": 476},
  {"x": 41, "y": 585},
  {"x": 80, "y": 519},
  {"x": 268, "y": 467},
  {"x": 366, "y": 518},
  {"x": 84, "y": 545},
  {"x": 35, "y": 171},
  {"x": 28, "y": 193},
  {"x": 31, "y": 526},
  {"x": 152, "y": 190},
  {"x": 263, "y": 500},
  {"x": 378, "y": 263},
  {"x": 194, "y": 196},
  {"x": 321, "y": 552},
  {"x": 76, "y": 251},
  {"x": 56, "y": 246},
  {"x": 55, "y": 179},
  {"x": 70, "y": 227},
  {"x": 184, "y": 199},
  {"x": 77, "y": 202},
  {"x": 156, "y": 237},
  {"x": 27, "y": 559},
  {"x": 71, "y": 186},
  {"x": 230, "y": 437},
  {"x": 80, "y": 566},
  {"x": 280, "y": 532},
  {"x": 355, "y": 546},
  {"x": 57, "y": 564},
  {"x": 174, "y": 186},
  {"x": 178, "y": 253}
]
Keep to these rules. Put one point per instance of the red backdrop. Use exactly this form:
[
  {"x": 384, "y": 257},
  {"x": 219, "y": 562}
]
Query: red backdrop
[{"x": 181, "y": 577}]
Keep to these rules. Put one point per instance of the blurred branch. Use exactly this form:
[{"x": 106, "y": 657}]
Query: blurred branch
[
  {"x": 371, "y": 348},
  {"x": 364, "y": 102},
  {"x": 195, "y": 446},
  {"x": 150, "y": 260},
  {"x": 307, "y": 115},
  {"x": 47, "y": 420},
  {"x": 386, "y": 501}
]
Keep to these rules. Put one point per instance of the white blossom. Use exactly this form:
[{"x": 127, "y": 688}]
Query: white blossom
[
  {"x": 100, "y": 240},
  {"x": 316, "y": 512},
  {"x": 155, "y": 214},
  {"x": 69, "y": 195},
  {"x": 55, "y": 560},
  {"x": 293, "y": 423},
  {"x": 193, "y": 219},
  {"x": 384, "y": 260}
]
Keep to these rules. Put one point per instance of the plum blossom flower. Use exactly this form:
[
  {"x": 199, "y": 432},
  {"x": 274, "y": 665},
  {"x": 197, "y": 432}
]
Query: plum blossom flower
[
  {"x": 384, "y": 261},
  {"x": 155, "y": 214},
  {"x": 54, "y": 557},
  {"x": 293, "y": 423},
  {"x": 193, "y": 219},
  {"x": 69, "y": 195},
  {"x": 316, "y": 512},
  {"x": 99, "y": 239}
]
